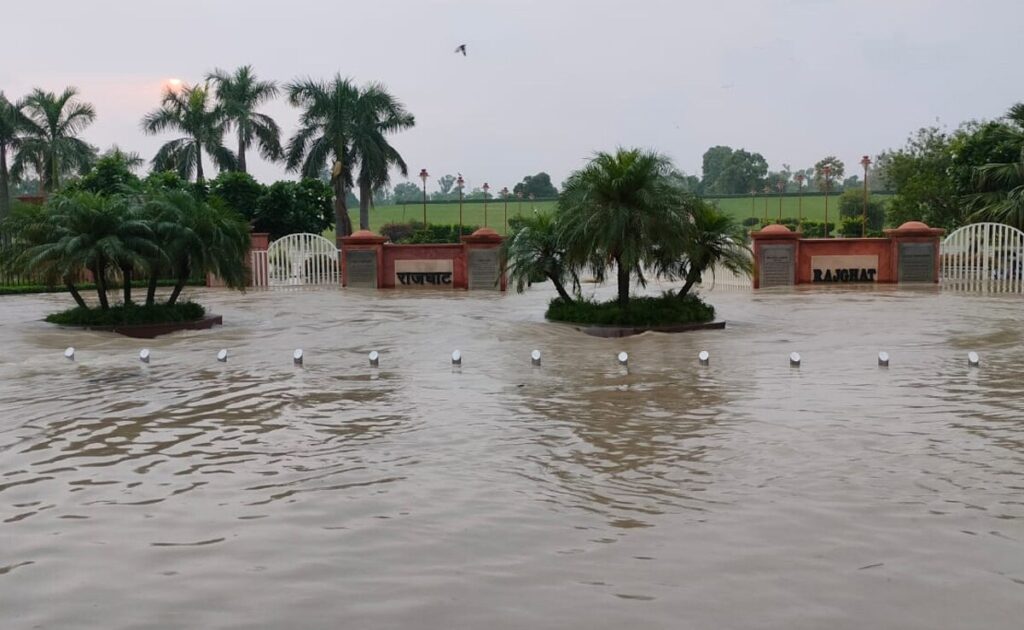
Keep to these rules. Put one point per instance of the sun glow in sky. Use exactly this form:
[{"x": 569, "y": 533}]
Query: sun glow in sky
[{"x": 173, "y": 84}]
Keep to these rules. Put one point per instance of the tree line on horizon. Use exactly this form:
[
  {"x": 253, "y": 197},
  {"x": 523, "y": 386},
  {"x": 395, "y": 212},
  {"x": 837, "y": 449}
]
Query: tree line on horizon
[{"x": 944, "y": 178}]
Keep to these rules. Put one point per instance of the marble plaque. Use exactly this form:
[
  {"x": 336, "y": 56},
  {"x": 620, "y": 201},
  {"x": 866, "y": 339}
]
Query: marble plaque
[
  {"x": 485, "y": 269},
  {"x": 917, "y": 262},
  {"x": 361, "y": 266},
  {"x": 777, "y": 266},
  {"x": 424, "y": 274}
]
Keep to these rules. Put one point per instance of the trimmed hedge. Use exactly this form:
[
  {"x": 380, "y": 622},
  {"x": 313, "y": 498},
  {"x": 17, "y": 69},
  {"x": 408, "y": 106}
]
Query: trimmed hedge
[
  {"x": 19, "y": 289},
  {"x": 128, "y": 314},
  {"x": 415, "y": 232},
  {"x": 642, "y": 311}
]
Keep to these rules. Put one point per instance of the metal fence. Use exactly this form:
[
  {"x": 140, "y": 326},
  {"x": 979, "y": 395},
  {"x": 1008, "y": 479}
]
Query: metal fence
[{"x": 984, "y": 257}]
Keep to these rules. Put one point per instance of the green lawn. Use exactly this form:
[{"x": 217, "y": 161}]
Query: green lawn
[{"x": 813, "y": 208}]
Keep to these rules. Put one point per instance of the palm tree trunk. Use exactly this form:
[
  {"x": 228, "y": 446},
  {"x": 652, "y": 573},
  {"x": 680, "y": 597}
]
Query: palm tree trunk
[
  {"x": 562, "y": 293},
  {"x": 199, "y": 163},
  {"x": 151, "y": 289},
  {"x": 241, "y": 152},
  {"x": 183, "y": 275},
  {"x": 126, "y": 277},
  {"x": 54, "y": 183},
  {"x": 74, "y": 292},
  {"x": 343, "y": 225},
  {"x": 692, "y": 278},
  {"x": 364, "y": 205},
  {"x": 5, "y": 193},
  {"x": 622, "y": 273},
  {"x": 99, "y": 273}
]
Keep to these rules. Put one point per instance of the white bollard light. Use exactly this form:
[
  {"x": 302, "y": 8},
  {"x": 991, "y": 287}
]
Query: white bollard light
[
  {"x": 973, "y": 360},
  {"x": 883, "y": 359},
  {"x": 535, "y": 357},
  {"x": 457, "y": 358},
  {"x": 222, "y": 356},
  {"x": 374, "y": 359},
  {"x": 704, "y": 357},
  {"x": 623, "y": 358},
  {"x": 794, "y": 359},
  {"x": 144, "y": 355},
  {"x": 297, "y": 356},
  {"x": 69, "y": 354}
]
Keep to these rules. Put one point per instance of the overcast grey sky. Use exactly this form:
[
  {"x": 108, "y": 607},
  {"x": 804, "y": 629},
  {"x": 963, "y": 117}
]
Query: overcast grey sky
[{"x": 547, "y": 82}]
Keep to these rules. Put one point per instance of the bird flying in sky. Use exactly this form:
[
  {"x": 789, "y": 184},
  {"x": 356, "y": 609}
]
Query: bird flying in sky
[{"x": 461, "y": 48}]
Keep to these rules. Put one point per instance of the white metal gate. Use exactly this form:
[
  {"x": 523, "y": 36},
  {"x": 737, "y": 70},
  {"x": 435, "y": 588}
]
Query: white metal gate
[
  {"x": 299, "y": 260},
  {"x": 986, "y": 257}
]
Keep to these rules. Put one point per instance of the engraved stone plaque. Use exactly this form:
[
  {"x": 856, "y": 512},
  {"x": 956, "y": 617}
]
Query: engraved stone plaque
[
  {"x": 484, "y": 269},
  {"x": 777, "y": 266},
  {"x": 362, "y": 269},
  {"x": 917, "y": 262},
  {"x": 424, "y": 274}
]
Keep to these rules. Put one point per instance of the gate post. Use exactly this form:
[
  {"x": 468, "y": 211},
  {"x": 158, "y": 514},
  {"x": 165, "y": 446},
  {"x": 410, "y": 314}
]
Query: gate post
[
  {"x": 484, "y": 264},
  {"x": 255, "y": 262},
  {"x": 915, "y": 252},
  {"x": 362, "y": 260}
]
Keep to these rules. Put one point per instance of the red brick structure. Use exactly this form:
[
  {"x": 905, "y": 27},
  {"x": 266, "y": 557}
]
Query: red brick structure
[{"x": 909, "y": 253}]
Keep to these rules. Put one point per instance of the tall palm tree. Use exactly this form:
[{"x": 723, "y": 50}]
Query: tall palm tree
[
  {"x": 50, "y": 144},
  {"x": 325, "y": 133},
  {"x": 622, "y": 208},
  {"x": 239, "y": 94},
  {"x": 377, "y": 114},
  {"x": 534, "y": 251},
  {"x": 191, "y": 111},
  {"x": 13, "y": 124},
  {"x": 1000, "y": 187}
]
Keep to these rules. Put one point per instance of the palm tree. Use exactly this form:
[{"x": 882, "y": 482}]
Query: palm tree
[
  {"x": 1000, "y": 187},
  {"x": 50, "y": 144},
  {"x": 377, "y": 114},
  {"x": 198, "y": 238},
  {"x": 325, "y": 133},
  {"x": 189, "y": 110},
  {"x": 239, "y": 95},
  {"x": 94, "y": 232},
  {"x": 534, "y": 251},
  {"x": 622, "y": 208},
  {"x": 714, "y": 238},
  {"x": 13, "y": 124}
]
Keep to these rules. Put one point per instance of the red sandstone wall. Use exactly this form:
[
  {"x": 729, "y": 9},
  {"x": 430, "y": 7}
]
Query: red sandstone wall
[{"x": 455, "y": 252}]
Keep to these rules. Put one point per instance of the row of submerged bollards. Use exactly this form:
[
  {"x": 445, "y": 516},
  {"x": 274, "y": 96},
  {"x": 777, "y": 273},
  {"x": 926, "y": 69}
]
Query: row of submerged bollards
[{"x": 703, "y": 357}]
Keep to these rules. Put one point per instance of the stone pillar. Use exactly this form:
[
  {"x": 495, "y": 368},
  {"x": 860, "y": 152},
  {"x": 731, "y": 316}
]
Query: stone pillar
[
  {"x": 776, "y": 252},
  {"x": 915, "y": 252},
  {"x": 485, "y": 265},
  {"x": 362, "y": 260}
]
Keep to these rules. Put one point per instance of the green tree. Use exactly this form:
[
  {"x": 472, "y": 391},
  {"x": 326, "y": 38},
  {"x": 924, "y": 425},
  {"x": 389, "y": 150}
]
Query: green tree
[
  {"x": 851, "y": 206},
  {"x": 622, "y": 208},
  {"x": 13, "y": 123},
  {"x": 1000, "y": 185},
  {"x": 110, "y": 175},
  {"x": 292, "y": 207},
  {"x": 737, "y": 172},
  {"x": 239, "y": 94},
  {"x": 535, "y": 251},
  {"x": 919, "y": 175},
  {"x": 50, "y": 145},
  {"x": 189, "y": 110},
  {"x": 445, "y": 185},
  {"x": 238, "y": 191},
  {"x": 538, "y": 185},
  {"x": 407, "y": 192},
  {"x": 835, "y": 177},
  {"x": 714, "y": 162}
]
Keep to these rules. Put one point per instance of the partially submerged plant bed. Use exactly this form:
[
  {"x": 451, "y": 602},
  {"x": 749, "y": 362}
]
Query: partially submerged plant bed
[
  {"x": 668, "y": 313},
  {"x": 141, "y": 321}
]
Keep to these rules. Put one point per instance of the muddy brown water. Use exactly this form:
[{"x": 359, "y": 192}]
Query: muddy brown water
[{"x": 193, "y": 494}]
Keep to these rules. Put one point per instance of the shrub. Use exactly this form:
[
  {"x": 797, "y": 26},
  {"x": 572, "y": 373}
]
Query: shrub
[
  {"x": 415, "y": 232},
  {"x": 751, "y": 222},
  {"x": 812, "y": 229},
  {"x": 641, "y": 311},
  {"x": 291, "y": 207},
  {"x": 238, "y": 191},
  {"x": 129, "y": 314}
]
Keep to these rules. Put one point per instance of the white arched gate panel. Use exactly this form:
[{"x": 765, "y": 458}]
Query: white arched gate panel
[
  {"x": 302, "y": 260},
  {"x": 986, "y": 257}
]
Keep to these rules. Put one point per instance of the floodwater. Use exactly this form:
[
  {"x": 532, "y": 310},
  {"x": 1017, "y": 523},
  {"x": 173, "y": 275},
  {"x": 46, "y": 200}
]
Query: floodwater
[{"x": 252, "y": 494}]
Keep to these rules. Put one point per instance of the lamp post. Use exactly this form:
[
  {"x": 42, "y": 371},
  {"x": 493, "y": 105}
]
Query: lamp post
[
  {"x": 800, "y": 200},
  {"x": 827, "y": 169},
  {"x": 460, "y": 183},
  {"x": 504, "y": 193},
  {"x": 519, "y": 196},
  {"x": 424, "y": 175},
  {"x": 486, "y": 188},
  {"x": 865, "y": 162},
  {"x": 781, "y": 185},
  {"x": 767, "y": 191},
  {"x": 753, "y": 202}
]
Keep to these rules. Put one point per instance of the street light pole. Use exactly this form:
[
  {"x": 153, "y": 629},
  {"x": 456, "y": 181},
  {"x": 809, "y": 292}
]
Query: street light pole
[
  {"x": 460, "y": 183},
  {"x": 753, "y": 203},
  {"x": 865, "y": 162},
  {"x": 781, "y": 185},
  {"x": 424, "y": 175},
  {"x": 827, "y": 169},
  {"x": 486, "y": 188},
  {"x": 767, "y": 191},
  {"x": 800, "y": 201},
  {"x": 519, "y": 196}
]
